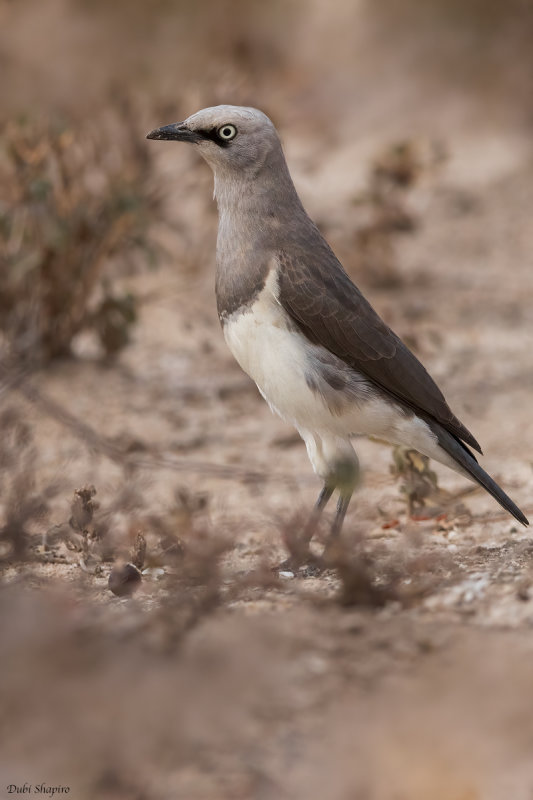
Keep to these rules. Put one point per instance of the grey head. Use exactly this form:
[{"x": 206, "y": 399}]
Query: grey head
[
  {"x": 257, "y": 202},
  {"x": 259, "y": 209},
  {"x": 232, "y": 139}
]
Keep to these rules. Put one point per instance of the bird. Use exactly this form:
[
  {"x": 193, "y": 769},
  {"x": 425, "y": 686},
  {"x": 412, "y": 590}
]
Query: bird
[{"x": 319, "y": 353}]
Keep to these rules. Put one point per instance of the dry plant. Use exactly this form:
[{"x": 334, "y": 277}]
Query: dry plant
[
  {"x": 102, "y": 532},
  {"x": 424, "y": 497},
  {"x": 419, "y": 482},
  {"x": 370, "y": 577},
  {"x": 23, "y": 502},
  {"x": 385, "y": 207},
  {"x": 74, "y": 200}
]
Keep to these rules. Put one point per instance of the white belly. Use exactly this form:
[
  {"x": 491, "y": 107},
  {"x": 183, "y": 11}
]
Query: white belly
[
  {"x": 274, "y": 358},
  {"x": 274, "y": 355}
]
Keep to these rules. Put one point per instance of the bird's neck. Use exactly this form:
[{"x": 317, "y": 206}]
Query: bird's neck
[
  {"x": 255, "y": 205},
  {"x": 253, "y": 210},
  {"x": 258, "y": 214}
]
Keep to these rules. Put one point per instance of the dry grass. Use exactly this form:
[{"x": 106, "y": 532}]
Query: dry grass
[
  {"x": 75, "y": 202},
  {"x": 24, "y": 497},
  {"x": 384, "y": 210}
]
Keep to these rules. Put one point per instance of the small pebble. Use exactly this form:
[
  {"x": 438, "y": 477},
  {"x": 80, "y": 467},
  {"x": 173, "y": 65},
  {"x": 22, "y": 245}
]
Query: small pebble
[
  {"x": 124, "y": 580},
  {"x": 153, "y": 572},
  {"x": 285, "y": 573}
]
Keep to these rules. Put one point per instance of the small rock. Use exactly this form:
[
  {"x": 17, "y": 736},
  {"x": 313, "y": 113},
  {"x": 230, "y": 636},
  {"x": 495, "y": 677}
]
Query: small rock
[
  {"x": 523, "y": 591},
  {"x": 155, "y": 573},
  {"x": 124, "y": 580}
]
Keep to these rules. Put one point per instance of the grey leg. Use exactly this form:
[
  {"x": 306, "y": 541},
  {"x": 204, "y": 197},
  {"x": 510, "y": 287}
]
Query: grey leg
[
  {"x": 299, "y": 545},
  {"x": 342, "y": 507},
  {"x": 320, "y": 505},
  {"x": 323, "y": 498}
]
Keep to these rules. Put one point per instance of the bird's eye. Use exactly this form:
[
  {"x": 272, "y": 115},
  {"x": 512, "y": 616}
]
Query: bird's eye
[{"x": 227, "y": 132}]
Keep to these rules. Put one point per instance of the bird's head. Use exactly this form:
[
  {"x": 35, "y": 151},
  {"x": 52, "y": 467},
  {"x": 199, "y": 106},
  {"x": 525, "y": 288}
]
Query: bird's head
[{"x": 230, "y": 138}]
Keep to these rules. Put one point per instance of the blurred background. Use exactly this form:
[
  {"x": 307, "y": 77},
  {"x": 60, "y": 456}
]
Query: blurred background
[{"x": 128, "y": 434}]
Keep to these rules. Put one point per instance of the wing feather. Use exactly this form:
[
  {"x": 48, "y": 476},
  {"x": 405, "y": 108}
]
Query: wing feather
[{"x": 330, "y": 310}]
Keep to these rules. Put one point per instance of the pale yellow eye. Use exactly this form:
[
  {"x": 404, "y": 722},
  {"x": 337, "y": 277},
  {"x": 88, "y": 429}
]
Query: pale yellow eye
[{"x": 227, "y": 132}]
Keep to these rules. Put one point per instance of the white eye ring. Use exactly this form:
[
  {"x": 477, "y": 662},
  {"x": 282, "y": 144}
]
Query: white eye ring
[{"x": 227, "y": 132}]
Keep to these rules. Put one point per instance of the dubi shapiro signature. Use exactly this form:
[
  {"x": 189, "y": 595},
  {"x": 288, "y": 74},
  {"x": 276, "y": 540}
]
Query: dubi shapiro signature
[{"x": 36, "y": 788}]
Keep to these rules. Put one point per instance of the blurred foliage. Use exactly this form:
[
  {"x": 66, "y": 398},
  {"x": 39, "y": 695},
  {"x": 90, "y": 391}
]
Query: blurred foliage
[
  {"x": 75, "y": 201},
  {"x": 306, "y": 60},
  {"x": 24, "y": 499},
  {"x": 419, "y": 483},
  {"x": 486, "y": 44},
  {"x": 385, "y": 210},
  {"x": 483, "y": 16}
]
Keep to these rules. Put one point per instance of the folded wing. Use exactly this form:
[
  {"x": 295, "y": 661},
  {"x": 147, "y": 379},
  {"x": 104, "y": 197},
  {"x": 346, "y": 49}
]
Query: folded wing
[{"x": 330, "y": 310}]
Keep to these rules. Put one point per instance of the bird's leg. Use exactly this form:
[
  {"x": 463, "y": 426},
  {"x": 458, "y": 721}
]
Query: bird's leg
[
  {"x": 336, "y": 461},
  {"x": 299, "y": 545},
  {"x": 342, "y": 507},
  {"x": 321, "y": 503}
]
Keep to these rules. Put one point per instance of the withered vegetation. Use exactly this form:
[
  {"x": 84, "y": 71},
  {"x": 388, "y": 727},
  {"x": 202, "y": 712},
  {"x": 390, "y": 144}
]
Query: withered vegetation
[
  {"x": 75, "y": 199},
  {"x": 24, "y": 496},
  {"x": 384, "y": 210}
]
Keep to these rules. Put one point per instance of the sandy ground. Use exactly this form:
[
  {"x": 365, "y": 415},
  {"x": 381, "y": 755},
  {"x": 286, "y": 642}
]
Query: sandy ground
[{"x": 295, "y": 687}]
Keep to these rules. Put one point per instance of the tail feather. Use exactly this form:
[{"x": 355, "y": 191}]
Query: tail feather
[{"x": 462, "y": 455}]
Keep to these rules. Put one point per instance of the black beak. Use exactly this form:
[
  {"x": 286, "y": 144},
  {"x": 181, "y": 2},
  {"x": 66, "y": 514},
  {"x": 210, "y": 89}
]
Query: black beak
[{"x": 177, "y": 132}]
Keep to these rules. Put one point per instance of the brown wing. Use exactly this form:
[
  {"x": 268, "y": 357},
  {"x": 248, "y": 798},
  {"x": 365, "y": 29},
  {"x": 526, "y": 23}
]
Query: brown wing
[{"x": 330, "y": 310}]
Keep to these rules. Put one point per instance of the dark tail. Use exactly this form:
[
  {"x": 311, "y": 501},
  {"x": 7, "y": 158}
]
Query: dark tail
[{"x": 460, "y": 453}]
